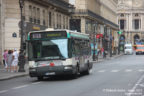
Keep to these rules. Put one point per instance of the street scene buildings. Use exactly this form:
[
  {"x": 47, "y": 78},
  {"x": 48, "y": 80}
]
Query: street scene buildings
[
  {"x": 71, "y": 47},
  {"x": 37, "y": 15},
  {"x": 93, "y": 18},
  {"x": 131, "y": 19},
  {"x": 97, "y": 18},
  {"x": 102, "y": 19}
]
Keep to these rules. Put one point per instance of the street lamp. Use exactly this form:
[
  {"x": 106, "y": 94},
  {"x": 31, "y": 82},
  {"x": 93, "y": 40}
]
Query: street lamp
[
  {"x": 21, "y": 54},
  {"x": 94, "y": 41},
  {"x": 104, "y": 40},
  {"x": 111, "y": 38}
]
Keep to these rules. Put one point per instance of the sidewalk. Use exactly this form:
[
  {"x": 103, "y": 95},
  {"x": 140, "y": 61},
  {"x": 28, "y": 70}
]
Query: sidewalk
[
  {"x": 9, "y": 75},
  {"x": 100, "y": 58}
]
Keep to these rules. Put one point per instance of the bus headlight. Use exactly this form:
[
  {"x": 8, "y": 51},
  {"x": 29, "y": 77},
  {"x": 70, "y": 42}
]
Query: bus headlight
[
  {"x": 32, "y": 64},
  {"x": 68, "y": 67},
  {"x": 67, "y": 62}
]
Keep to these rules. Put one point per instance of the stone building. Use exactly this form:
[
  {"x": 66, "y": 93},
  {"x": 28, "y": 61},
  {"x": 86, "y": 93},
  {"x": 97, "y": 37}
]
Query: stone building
[
  {"x": 131, "y": 19},
  {"x": 97, "y": 18},
  {"x": 37, "y": 15}
]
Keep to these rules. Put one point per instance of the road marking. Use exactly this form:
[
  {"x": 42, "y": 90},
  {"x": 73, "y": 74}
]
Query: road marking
[
  {"x": 101, "y": 71},
  {"x": 128, "y": 70},
  {"x": 3, "y": 91},
  {"x": 36, "y": 83},
  {"x": 20, "y": 87},
  {"x": 115, "y": 71},
  {"x": 135, "y": 86},
  {"x": 142, "y": 85},
  {"x": 141, "y": 70}
]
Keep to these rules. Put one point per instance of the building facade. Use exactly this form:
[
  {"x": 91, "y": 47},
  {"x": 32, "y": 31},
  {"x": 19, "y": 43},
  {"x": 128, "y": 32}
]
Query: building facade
[
  {"x": 131, "y": 19},
  {"x": 37, "y": 15},
  {"x": 98, "y": 19},
  {"x": 108, "y": 11}
]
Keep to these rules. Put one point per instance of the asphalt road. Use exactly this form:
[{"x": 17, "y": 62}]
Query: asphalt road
[{"x": 123, "y": 76}]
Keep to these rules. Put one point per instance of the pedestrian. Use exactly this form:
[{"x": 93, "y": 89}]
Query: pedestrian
[
  {"x": 5, "y": 58},
  {"x": 105, "y": 53},
  {"x": 102, "y": 51},
  {"x": 15, "y": 60},
  {"x": 9, "y": 60},
  {"x": 98, "y": 52}
]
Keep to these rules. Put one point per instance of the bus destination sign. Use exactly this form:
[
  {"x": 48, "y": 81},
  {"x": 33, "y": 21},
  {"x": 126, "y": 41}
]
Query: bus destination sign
[{"x": 47, "y": 35}]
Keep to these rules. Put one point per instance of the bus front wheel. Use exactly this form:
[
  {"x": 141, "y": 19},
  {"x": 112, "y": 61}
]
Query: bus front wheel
[
  {"x": 75, "y": 75},
  {"x": 40, "y": 78}
]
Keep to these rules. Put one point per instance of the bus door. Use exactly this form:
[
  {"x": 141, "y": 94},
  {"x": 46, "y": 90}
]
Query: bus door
[
  {"x": 82, "y": 56},
  {"x": 77, "y": 47}
]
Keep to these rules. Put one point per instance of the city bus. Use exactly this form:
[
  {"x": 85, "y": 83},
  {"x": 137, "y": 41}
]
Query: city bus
[
  {"x": 139, "y": 49},
  {"x": 58, "y": 52}
]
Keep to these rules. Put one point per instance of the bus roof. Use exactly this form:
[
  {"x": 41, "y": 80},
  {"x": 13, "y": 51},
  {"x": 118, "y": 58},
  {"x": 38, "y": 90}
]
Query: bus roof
[{"x": 70, "y": 33}]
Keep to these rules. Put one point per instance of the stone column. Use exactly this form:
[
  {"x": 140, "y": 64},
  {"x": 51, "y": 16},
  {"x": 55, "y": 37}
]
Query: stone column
[{"x": 83, "y": 25}]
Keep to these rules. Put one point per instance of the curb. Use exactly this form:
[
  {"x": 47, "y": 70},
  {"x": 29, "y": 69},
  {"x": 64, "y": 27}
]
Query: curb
[
  {"x": 115, "y": 57},
  {"x": 13, "y": 76}
]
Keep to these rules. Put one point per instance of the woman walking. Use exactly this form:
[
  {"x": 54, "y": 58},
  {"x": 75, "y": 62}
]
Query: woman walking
[
  {"x": 5, "y": 58},
  {"x": 9, "y": 60}
]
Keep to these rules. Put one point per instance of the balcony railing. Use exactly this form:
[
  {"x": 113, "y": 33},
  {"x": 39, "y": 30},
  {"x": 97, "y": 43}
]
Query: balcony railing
[
  {"x": 57, "y": 3},
  {"x": 86, "y": 12},
  {"x": 60, "y": 3}
]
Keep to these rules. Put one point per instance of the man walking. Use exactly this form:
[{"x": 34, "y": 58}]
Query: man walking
[{"x": 15, "y": 60}]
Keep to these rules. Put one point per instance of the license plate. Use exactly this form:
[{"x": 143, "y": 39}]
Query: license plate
[{"x": 50, "y": 73}]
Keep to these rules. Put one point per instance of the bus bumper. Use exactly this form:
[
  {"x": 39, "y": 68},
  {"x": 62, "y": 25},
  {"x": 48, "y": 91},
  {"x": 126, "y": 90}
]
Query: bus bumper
[{"x": 51, "y": 71}]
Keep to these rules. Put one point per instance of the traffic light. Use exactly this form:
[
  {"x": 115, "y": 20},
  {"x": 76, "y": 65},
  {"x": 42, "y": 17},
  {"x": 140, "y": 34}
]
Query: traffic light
[{"x": 119, "y": 32}]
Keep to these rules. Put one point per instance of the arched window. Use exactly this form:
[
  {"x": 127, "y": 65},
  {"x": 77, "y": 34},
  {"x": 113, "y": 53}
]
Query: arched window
[
  {"x": 136, "y": 15},
  {"x": 121, "y": 15}
]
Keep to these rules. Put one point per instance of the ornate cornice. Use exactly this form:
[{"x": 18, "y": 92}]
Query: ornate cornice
[{"x": 60, "y": 5}]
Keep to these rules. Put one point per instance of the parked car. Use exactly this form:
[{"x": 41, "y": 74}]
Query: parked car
[{"x": 128, "y": 49}]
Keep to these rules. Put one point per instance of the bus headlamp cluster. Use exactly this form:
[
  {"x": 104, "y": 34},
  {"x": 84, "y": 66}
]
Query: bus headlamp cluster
[
  {"x": 67, "y": 62},
  {"x": 68, "y": 67},
  {"x": 32, "y": 64}
]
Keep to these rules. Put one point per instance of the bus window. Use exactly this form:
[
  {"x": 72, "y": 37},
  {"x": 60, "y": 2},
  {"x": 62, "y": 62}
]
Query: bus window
[
  {"x": 70, "y": 49},
  {"x": 75, "y": 48}
]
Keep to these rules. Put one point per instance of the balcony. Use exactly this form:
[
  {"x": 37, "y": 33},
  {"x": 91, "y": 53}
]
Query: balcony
[
  {"x": 61, "y": 5},
  {"x": 88, "y": 13}
]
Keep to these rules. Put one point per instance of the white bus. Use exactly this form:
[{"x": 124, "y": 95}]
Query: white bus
[{"x": 58, "y": 52}]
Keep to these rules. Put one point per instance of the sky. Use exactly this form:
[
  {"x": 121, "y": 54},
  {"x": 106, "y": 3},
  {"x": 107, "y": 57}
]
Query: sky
[{"x": 72, "y": 1}]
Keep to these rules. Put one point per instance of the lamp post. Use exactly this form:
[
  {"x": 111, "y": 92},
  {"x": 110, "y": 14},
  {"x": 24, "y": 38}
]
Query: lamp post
[
  {"x": 94, "y": 41},
  {"x": 21, "y": 54},
  {"x": 111, "y": 38},
  {"x": 104, "y": 41}
]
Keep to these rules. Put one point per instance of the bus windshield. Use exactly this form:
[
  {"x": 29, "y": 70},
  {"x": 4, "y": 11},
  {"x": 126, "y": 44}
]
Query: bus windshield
[{"x": 49, "y": 49}]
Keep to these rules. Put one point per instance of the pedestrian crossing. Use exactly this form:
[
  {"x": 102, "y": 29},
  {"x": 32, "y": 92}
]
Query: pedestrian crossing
[{"x": 117, "y": 70}]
